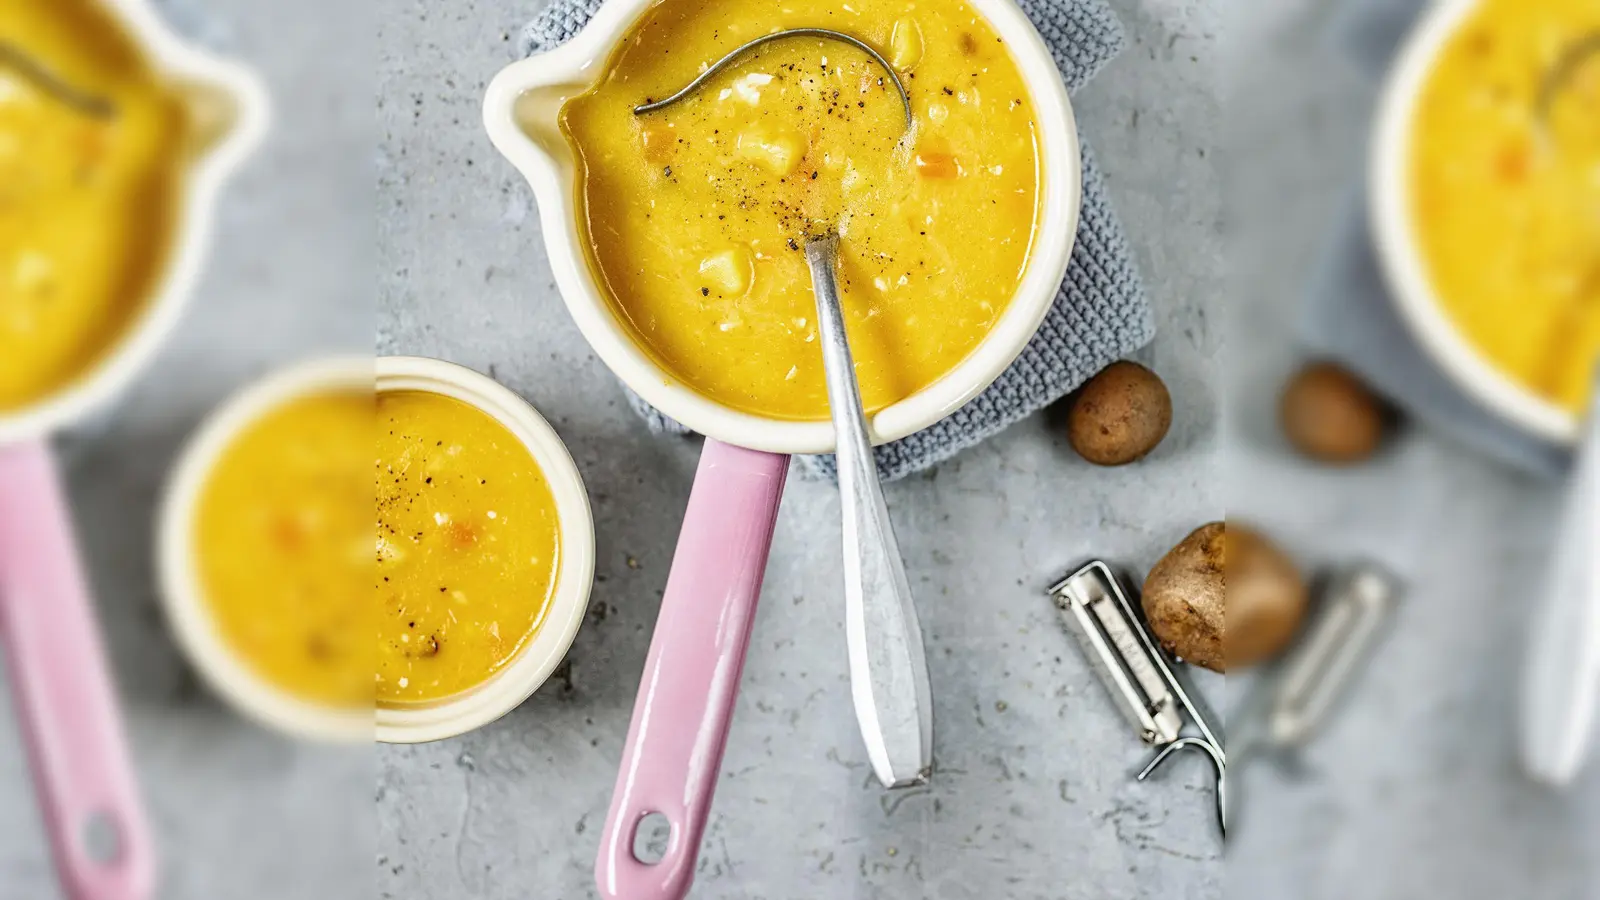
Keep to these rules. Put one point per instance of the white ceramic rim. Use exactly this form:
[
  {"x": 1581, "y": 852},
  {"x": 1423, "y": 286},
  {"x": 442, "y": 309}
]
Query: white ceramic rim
[
  {"x": 275, "y": 708},
  {"x": 577, "y": 64},
  {"x": 1398, "y": 248},
  {"x": 569, "y": 600},
  {"x": 206, "y": 177}
]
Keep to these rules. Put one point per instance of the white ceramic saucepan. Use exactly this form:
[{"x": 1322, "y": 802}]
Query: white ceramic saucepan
[
  {"x": 52, "y": 646},
  {"x": 680, "y": 722}
]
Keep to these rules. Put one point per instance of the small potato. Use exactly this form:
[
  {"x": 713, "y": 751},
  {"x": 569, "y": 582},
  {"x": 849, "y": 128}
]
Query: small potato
[
  {"x": 905, "y": 44},
  {"x": 1184, "y": 598},
  {"x": 1266, "y": 598},
  {"x": 1224, "y": 598},
  {"x": 728, "y": 272},
  {"x": 779, "y": 153},
  {"x": 1330, "y": 416},
  {"x": 1120, "y": 415}
]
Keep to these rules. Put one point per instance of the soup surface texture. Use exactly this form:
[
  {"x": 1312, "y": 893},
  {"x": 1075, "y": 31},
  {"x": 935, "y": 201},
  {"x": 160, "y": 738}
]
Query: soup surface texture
[
  {"x": 1507, "y": 210},
  {"x": 284, "y": 558},
  {"x": 696, "y": 214},
  {"x": 468, "y": 546},
  {"x": 86, "y": 204}
]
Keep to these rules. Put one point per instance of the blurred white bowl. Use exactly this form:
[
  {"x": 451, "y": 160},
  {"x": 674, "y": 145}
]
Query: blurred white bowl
[
  {"x": 189, "y": 612},
  {"x": 1399, "y": 253}
]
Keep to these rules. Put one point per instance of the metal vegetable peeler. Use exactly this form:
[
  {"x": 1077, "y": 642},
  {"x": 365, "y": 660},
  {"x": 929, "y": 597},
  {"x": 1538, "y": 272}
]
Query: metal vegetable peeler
[
  {"x": 1291, "y": 702},
  {"x": 1138, "y": 675}
]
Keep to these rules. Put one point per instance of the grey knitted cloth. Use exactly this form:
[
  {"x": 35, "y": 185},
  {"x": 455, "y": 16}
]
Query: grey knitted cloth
[{"x": 1101, "y": 314}]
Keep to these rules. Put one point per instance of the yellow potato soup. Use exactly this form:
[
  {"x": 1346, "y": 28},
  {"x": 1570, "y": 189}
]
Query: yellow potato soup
[
  {"x": 282, "y": 551},
  {"x": 695, "y": 214},
  {"x": 87, "y": 204},
  {"x": 1506, "y": 209},
  {"x": 468, "y": 546}
]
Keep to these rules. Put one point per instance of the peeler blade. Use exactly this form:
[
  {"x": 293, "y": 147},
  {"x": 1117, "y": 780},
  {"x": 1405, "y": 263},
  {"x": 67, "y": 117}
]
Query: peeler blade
[
  {"x": 1137, "y": 675},
  {"x": 1097, "y": 612},
  {"x": 1360, "y": 600}
]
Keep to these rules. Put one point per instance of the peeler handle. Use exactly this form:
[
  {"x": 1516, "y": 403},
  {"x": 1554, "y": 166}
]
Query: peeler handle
[
  {"x": 673, "y": 753},
  {"x": 63, "y": 690}
]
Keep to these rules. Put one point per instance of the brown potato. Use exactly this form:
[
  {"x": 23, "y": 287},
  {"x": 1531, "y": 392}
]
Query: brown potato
[
  {"x": 1330, "y": 416},
  {"x": 1224, "y": 600},
  {"x": 1120, "y": 415},
  {"x": 1266, "y": 598},
  {"x": 1184, "y": 598}
]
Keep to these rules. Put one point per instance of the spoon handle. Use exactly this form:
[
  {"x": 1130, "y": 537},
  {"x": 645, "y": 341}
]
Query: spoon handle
[
  {"x": 1561, "y": 682},
  {"x": 888, "y": 669}
]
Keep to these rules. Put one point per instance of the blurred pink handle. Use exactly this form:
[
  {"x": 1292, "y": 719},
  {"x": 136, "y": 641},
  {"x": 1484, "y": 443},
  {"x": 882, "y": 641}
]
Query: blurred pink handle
[
  {"x": 691, "y": 677},
  {"x": 63, "y": 690}
]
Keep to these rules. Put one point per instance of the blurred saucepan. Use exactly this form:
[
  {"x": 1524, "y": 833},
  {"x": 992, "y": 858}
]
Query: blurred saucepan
[
  {"x": 1483, "y": 203},
  {"x": 119, "y": 53}
]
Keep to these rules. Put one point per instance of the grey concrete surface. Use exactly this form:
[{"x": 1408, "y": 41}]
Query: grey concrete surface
[{"x": 1033, "y": 796}]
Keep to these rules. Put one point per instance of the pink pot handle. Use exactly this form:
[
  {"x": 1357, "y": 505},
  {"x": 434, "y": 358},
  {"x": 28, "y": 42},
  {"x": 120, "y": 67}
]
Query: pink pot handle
[
  {"x": 680, "y": 724},
  {"x": 63, "y": 690}
]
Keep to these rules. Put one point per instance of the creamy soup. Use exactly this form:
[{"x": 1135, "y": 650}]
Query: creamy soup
[
  {"x": 282, "y": 548},
  {"x": 468, "y": 546},
  {"x": 1508, "y": 211},
  {"x": 87, "y": 204},
  {"x": 695, "y": 214}
]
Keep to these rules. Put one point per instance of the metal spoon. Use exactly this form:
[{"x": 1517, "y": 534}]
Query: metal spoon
[
  {"x": 30, "y": 68},
  {"x": 888, "y": 666},
  {"x": 1559, "y": 76},
  {"x": 1561, "y": 678},
  {"x": 888, "y": 669},
  {"x": 739, "y": 51}
]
